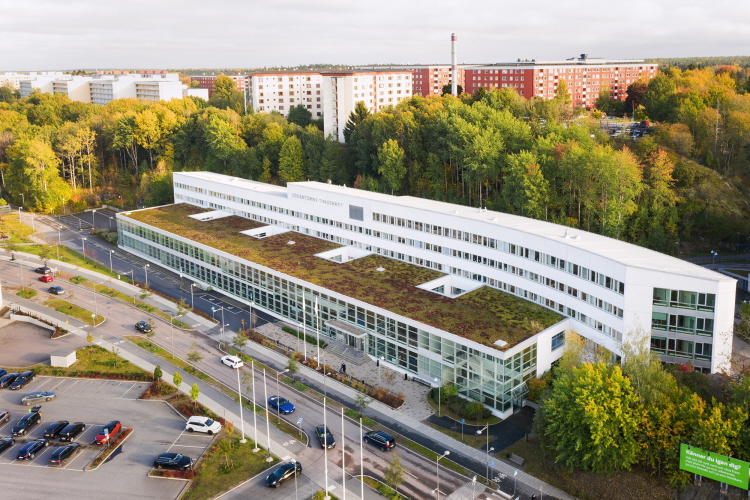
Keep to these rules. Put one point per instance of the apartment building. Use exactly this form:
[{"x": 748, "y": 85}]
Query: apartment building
[
  {"x": 584, "y": 76},
  {"x": 428, "y": 79},
  {"x": 14, "y": 79},
  {"x": 281, "y": 90},
  {"x": 375, "y": 88},
  {"x": 76, "y": 88},
  {"x": 242, "y": 82},
  {"x": 435, "y": 290}
]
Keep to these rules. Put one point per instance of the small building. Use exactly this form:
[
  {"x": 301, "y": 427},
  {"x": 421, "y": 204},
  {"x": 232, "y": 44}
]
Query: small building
[{"x": 63, "y": 358}]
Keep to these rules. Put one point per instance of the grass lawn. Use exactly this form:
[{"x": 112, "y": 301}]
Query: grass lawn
[
  {"x": 71, "y": 257},
  {"x": 431, "y": 455},
  {"x": 73, "y": 310},
  {"x": 92, "y": 359},
  {"x": 149, "y": 346},
  {"x": 470, "y": 438},
  {"x": 447, "y": 412},
  {"x": 626, "y": 485},
  {"x": 109, "y": 292},
  {"x": 226, "y": 464},
  {"x": 739, "y": 272},
  {"x": 19, "y": 232},
  {"x": 27, "y": 294}
]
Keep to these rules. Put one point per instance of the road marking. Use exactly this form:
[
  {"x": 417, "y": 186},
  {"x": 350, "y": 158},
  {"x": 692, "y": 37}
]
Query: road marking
[
  {"x": 129, "y": 388},
  {"x": 187, "y": 446}
]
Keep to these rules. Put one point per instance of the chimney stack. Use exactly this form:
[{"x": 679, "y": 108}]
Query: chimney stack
[{"x": 454, "y": 76}]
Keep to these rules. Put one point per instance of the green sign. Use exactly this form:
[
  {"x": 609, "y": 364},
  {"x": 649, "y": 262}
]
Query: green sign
[{"x": 714, "y": 466}]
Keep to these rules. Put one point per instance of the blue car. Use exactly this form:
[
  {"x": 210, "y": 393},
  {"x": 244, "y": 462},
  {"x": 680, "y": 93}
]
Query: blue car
[
  {"x": 281, "y": 405},
  {"x": 29, "y": 450}
]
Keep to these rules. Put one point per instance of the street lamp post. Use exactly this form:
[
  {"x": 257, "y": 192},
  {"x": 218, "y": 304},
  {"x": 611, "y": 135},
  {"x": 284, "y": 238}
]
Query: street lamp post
[
  {"x": 110, "y": 260},
  {"x": 213, "y": 310},
  {"x": 343, "y": 457},
  {"x": 83, "y": 248},
  {"x": 714, "y": 253},
  {"x": 96, "y": 305},
  {"x": 361, "y": 462},
  {"x": 242, "y": 421},
  {"x": 255, "y": 414},
  {"x": 268, "y": 424},
  {"x": 439, "y": 387},
  {"x": 487, "y": 428},
  {"x": 325, "y": 450},
  {"x": 278, "y": 395},
  {"x": 437, "y": 472},
  {"x": 58, "y": 244},
  {"x": 145, "y": 269},
  {"x": 192, "y": 297}
]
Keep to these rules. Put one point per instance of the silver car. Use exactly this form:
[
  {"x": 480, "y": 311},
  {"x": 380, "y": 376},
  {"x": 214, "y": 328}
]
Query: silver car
[{"x": 37, "y": 397}]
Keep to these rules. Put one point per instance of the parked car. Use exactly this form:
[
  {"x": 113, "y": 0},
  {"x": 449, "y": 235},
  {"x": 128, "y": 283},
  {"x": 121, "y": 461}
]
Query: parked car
[
  {"x": 53, "y": 430},
  {"x": 232, "y": 361},
  {"x": 47, "y": 278},
  {"x": 202, "y": 424},
  {"x": 6, "y": 443},
  {"x": 62, "y": 454},
  {"x": 27, "y": 422},
  {"x": 173, "y": 461},
  {"x": 382, "y": 439},
  {"x": 325, "y": 438},
  {"x": 56, "y": 290},
  {"x": 280, "y": 404},
  {"x": 108, "y": 431},
  {"x": 30, "y": 449},
  {"x": 37, "y": 397},
  {"x": 21, "y": 381},
  {"x": 4, "y": 416},
  {"x": 8, "y": 379},
  {"x": 3, "y": 373},
  {"x": 282, "y": 473},
  {"x": 143, "y": 326},
  {"x": 43, "y": 270},
  {"x": 71, "y": 431}
]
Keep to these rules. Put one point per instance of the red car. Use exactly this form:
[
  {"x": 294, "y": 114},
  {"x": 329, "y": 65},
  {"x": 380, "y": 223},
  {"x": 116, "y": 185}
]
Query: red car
[
  {"x": 46, "y": 278},
  {"x": 107, "y": 432}
]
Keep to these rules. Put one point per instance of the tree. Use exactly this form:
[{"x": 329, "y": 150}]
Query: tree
[
  {"x": 356, "y": 117},
  {"x": 34, "y": 170},
  {"x": 158, "y": 373},
  {"x": 177, "y": 379},
  {"x": 240, "y": 340},
  {"x": 195, "y": 391},
  {"x": 636, "y": 92},
  {"x": 300, "y": 115},
  {"x": 145, "y": 293},
  {"x": 592, "y": 420},
  {"x": 562, "y": 94},
  {"x": 447, "y": 89},
  {"x": 362, "y": 401},
  {"x": 524, "y": 188},
  {"x": 292, "y": 161},
  {"x": 393, "y": 474},
  {"x": 658, "y": 98},
  {"x": 194, "y": 356},
  {"x": 182, "y": 307},
  {"x": 151, "y": 327},
  {"x": 12, "y": 247},
  {"x": 391, "y": 164},
  {"x": 292, "y": 367}
]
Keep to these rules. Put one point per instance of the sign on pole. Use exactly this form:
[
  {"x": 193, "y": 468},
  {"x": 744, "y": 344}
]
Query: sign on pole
[{"x": 714, "y": 466}]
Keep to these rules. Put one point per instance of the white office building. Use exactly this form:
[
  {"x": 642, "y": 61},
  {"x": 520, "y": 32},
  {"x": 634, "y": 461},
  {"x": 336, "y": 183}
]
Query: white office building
[{"x": 439, "y": 291}]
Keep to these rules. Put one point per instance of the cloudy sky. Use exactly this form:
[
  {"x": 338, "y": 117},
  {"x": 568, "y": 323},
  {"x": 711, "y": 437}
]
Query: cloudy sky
[{"x": 89, "y": 34}]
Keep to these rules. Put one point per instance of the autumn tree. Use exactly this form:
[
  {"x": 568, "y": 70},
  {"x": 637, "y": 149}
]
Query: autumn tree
[
  {"x": 636, "y": 92},
  {"x": 34, "y": 170}
]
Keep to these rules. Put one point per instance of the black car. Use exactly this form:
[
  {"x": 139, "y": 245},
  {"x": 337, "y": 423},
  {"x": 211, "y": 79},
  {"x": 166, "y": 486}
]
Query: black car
[
  {"x": 325, "y": 438},
  {"x": 62, "y": 454},
  {"x": 8, "y": 379},
  {"x": 382, "y": 439},
  {"x": 30, "y": 449},
  {"x": 27, "y": 422},
  {"x": 70, "y": 431},
  {"x": 284, "y": 472},
  {"x": 3, "y": 372},
  {"x": 54, "y": 429},
  {"x": 6, "y": 443},
  {"x": 22, "y": 380},
  {"x": 56, "y": 290},
  {"x": 43, "y": 270},
  {"x": 143, "y": 326},
  {"x": 173, "y": 461}
]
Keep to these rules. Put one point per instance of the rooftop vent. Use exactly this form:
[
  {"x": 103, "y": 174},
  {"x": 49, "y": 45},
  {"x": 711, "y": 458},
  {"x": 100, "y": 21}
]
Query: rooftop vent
[
  {"x": 290, "y": 242},
  {"x": 380, "y": 269}
]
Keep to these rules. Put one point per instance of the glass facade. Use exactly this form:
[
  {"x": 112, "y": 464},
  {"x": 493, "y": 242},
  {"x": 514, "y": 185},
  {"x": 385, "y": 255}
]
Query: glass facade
[{"x": 497, "y": 382}]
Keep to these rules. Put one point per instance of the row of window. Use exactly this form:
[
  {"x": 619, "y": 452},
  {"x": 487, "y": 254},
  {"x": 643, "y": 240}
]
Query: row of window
[
  {"x": 682, "y": 324},
  {"x": 682, "y": 348},
  {"x": 683, "y": 299}
]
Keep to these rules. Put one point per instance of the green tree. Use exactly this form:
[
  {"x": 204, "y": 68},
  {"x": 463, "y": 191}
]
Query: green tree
[
  {"x": 447, "y": 89},
  {"x": 391, "y": 164},
  {"x": 393, "y": 474},
  {"x": 562, "y": 94},
  {"x": 356, "y": 117},
  {"x": 524, "y": 188},
  {"x": 148, "y": 132},
  {"x": 362, "y": 401},
  {"x": 194, "y": 356},
  {"x": 177, "y": 379},
  {"x": 300, "y": 115},
  {"x": 292, "y": 161},
  {"x": 195, "y": 391},
  {"x": 659, "y": 96},
  {"x": 592, "y": 419},
  {"x": 292, "y": 367},
  {"x": 158, "y": 373},
  {"x": 240, "y": 340},
  {"x": 34, "y": 170}
]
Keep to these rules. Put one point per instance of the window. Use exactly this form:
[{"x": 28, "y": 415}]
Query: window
[
  {"x": 558, "y": 340},
  {"x": 356, "y": 213}
]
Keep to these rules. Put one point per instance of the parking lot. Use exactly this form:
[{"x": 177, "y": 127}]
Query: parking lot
[{"x": 156, "y": 429}]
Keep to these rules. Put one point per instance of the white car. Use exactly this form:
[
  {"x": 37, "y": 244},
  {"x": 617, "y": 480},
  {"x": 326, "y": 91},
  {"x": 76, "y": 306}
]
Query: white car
[
  {"x": 202, "y": 424},
  {"x": 232, "y": 361}
]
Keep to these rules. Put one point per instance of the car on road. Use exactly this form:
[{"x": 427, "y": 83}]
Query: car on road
[
  {"x": 280, "y": 404},
  {"x": 22, "y": 380},
  {"x": 8, "y": 379},
  {"x": 71, "y": 431},
  {"x": 173, "y": 461},
  {"x": 53, "y": 429},
  {"x": 30, "y": 449},
  {"x": 6, "y": 443},
  {"x": 325, "y": 438},
  {"x": 108, "y": 431},
  {"x": 282, "y": 473},
  {"x": 56, "y": 290},
  {"x": 37, "y": 397},
  {"x": 4, "y": 416},
  {"x": 232, "y": 361},
  {"x": 202, "y": 424},
  {"x": 47, "y": 278},
  {"x": 43, "y": 270},
  {"x": 143, "y": 326},
  {"x": 3, "y": 372},
  {"x": 27, "y": 422},
  {"x": 62, "y": 454},
  {"x": 379, "y": 438}
]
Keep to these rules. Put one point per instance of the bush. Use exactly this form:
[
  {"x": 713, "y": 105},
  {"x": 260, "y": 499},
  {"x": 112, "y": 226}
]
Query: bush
[
  {"x": 78, "y": 280},
  {"x": 536, "y": 388},
  {"x": 309, "y": 338}
]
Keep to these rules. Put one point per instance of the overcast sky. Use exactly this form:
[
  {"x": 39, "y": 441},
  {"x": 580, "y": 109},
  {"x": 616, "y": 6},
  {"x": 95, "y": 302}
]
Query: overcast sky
[{"x": 90, "y": 34}]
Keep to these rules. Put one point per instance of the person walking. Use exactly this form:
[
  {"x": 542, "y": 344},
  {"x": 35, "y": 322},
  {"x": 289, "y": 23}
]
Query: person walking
[{"x": 343, "y": 368}]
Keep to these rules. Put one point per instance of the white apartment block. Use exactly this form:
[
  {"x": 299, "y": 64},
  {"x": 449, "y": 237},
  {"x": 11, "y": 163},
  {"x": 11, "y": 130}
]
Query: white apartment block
[
  {"x": 377, "y": 89},
  {"x": 14, "y": 79},
  {"x": 37, "y": 83},
  {"x": 421, "y": 283},
  {"x": 76, "y": 88},
  {"x": 280, "y": 91}
]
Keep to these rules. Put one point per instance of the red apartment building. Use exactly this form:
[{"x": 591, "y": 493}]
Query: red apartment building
[
  {"x": 207, "y": 82},
  {"x": 427, "y": 79}
]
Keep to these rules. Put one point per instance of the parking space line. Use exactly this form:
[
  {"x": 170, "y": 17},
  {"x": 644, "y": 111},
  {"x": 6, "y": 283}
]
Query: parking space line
[
  {"x": 175, "y": 441},
  {"x": 71, "y": 386},
  {"x": 187, "y": 446},
  {"x": 127, "y": 391}
]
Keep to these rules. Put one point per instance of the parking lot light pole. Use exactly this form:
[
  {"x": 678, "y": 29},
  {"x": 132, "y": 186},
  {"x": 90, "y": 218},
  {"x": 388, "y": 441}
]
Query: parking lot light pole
[
  {"x": 255, "y": 414},
  {"x": 278, "y": 395},
  {"x": 145, "y": 269},
  {"x": 213, "y": 310},
  {"x": 437, "y": 471},
  {"x": 242, "y": 421}
]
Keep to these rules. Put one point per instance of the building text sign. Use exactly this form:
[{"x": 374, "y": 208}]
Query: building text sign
[{"x": 713, "y": 466}]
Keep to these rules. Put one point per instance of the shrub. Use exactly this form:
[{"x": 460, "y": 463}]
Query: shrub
[
  {"x": 536, "y": 388},
  {"x": 78, "y": 280}
]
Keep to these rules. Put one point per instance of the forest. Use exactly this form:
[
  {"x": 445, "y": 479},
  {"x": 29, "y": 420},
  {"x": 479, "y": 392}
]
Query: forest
[{"x": 684, "y": 183}]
